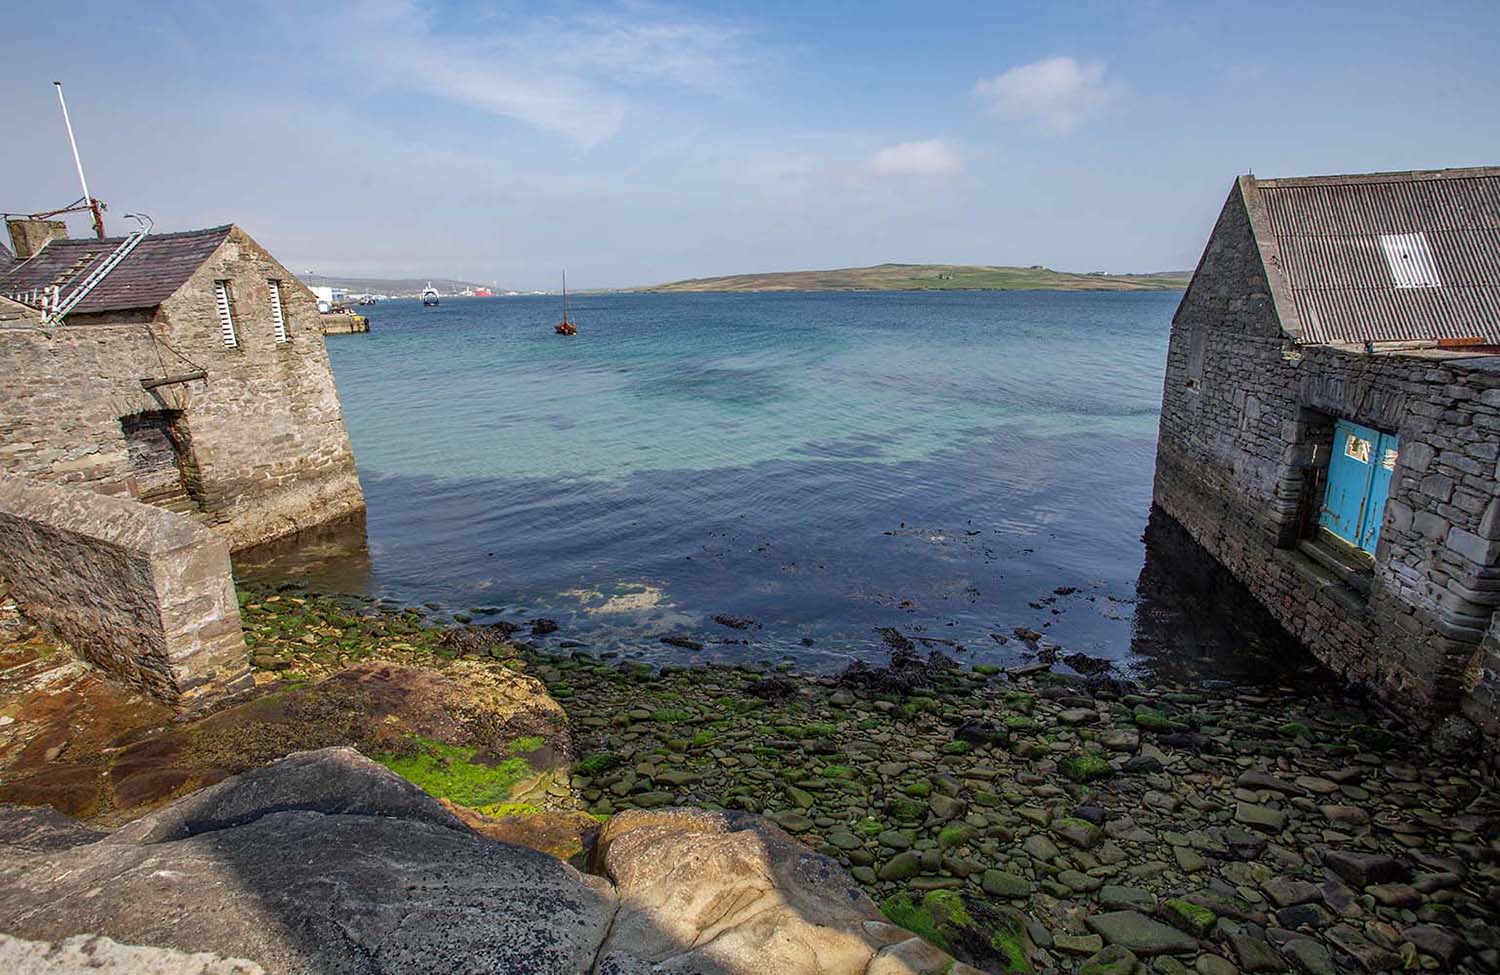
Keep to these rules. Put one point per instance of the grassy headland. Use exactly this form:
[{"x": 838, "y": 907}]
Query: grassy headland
[{"x": 930, "y": 277}]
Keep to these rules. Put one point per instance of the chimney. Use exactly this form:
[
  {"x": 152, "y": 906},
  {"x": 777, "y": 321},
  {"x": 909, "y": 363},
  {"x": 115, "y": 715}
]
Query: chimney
[{"x": 29, "y": 236}]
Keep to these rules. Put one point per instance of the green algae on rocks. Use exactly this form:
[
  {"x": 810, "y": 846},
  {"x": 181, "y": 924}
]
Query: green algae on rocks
[{"x": 1032, "y": 809}]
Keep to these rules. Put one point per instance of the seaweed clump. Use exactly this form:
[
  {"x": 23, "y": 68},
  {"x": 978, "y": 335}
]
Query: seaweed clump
[{"x": 906, "y": 673}]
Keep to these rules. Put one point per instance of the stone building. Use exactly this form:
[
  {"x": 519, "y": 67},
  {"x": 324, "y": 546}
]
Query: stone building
[
  {"x": 191, "y": 375},
  {"x": 1330, "y": 424}
]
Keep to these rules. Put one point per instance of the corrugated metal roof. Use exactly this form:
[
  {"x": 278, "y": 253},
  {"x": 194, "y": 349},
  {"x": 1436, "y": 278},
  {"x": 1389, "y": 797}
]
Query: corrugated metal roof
[
  {"x": 1328, "y": 234},
  {"x": 149, "y": 275}
]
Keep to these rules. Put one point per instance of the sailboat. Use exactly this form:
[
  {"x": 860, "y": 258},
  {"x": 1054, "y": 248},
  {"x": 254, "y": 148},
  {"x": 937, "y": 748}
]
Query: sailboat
[{"x": 565, "y": 327}]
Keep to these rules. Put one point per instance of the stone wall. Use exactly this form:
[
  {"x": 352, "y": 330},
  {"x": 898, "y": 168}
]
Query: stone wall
[
  {"x": 142, "y": 593},
  {"x": 265, "y": 452},
  {"x": 1246, "y": 434},
  {"x": 341, "y": 324}
]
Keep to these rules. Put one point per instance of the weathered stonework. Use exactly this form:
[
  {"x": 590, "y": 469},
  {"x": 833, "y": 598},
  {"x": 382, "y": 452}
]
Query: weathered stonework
[
  {"x": 344, "y": 324},
  {"x": 260, "y": 435},
  {"x": 142, "y": 593},
  {"x": 1246, "y": 430}
]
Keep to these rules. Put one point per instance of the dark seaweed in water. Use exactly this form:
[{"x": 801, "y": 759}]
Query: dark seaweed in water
[
  {"x": 735, "y": 622},
  {"x": 479, "y": 641},
  {"x": 906, "y": 672},
  {"x": 773, "y": 689},
  {"x": 895, "y": 640},
  {"x": 1086, "y": 665}
]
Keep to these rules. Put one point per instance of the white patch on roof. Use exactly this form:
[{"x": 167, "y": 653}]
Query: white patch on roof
[{"x": 1410, "y": 260}]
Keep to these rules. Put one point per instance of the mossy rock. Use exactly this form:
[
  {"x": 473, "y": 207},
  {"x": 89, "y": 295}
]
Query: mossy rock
[
  {"x": 955, "y": 834},
  {"x": 1371, "y": 737},
  {"x": 450, "y": 772},
  {"x": 597, "y": 764},
  {"x": 1151, "y": 719},
  {"x": 907, "y": 810},
  {"x": 1187, "y": 916},
  {"x": 1085, "y": 768},
  {"x": 974, "y": 933},
  {"x": 1113, "y": 960}
]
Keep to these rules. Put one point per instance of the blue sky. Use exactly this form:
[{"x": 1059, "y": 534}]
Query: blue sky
[{"x": 640, "y": 142}]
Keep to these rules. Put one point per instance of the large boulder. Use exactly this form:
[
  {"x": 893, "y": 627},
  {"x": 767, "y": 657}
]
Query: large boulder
[
  {"x": 331, "y": 781},
  {"x": 98, "y": 955},
  {"x": 326, "y": 862},
  {"x": 359, "y": 874},
  {"x": 42, "y": 829},
  {"x": 726, "y": 893}
]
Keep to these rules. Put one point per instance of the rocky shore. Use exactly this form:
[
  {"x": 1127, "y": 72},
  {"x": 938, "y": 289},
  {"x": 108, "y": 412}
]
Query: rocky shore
[{"x": 1021, "y": 822}]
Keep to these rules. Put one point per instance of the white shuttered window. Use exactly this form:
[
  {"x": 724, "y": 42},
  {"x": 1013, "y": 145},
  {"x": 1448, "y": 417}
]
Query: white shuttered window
[
  {"x": 226, "y": 317},
  {"x": 278, "y": 314}
]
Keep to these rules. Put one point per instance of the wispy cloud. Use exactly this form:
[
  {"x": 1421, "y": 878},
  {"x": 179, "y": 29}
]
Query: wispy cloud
[
  {"x": 930, "y": 157},
  {"x": 644, "y": 45},
  {"x": 555, "y": 103},
  {"x": 573, "y": 76},
  {"x": 1054, "y": 94}
]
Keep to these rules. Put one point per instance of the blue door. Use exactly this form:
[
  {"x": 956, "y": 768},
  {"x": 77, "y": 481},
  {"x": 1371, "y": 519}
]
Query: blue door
[
  {"x": 1359, "y": 478},
  {"x": 1380, "y": 486}
]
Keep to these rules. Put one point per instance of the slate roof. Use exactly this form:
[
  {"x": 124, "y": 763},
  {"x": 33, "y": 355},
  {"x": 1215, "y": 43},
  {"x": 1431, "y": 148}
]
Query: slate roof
[
  {"x": 1327, "y": 232},
  {"x": 14, "y": 311},
  {"x": 151, "y": 273}
]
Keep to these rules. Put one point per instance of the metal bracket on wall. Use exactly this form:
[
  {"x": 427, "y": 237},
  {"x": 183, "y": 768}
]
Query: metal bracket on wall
[{"x": 185, "y": 377}]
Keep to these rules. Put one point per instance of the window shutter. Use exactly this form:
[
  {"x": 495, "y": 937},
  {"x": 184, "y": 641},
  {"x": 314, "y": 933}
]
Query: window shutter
[
  {"x": 278, "y": 317},
  {"x": 226, "y": 322}
]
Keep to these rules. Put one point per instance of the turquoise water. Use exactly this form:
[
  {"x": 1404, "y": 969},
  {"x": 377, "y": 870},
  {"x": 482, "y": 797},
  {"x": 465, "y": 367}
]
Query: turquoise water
[
  {"x": 703, "y": 383},
  {"x": 950, "y": 464}
]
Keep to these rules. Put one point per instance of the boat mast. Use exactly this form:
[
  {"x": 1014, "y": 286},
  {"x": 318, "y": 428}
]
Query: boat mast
[{"x": 565, "y": 294}]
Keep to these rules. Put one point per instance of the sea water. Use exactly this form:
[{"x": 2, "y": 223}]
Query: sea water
[{"x": 954, "y": 465}]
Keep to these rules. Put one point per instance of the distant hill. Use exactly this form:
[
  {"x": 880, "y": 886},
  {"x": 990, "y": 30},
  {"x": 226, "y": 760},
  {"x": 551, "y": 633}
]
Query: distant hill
[
  {"x": 387, "y": 286},
  {"x": 931, "y": 277}
]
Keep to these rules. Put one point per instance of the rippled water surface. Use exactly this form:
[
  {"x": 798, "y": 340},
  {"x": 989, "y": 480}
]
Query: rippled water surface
[{"x": 951, "y": 464}]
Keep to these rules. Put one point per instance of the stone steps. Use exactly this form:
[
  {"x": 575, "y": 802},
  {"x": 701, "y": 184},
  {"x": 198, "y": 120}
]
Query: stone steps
[
  {"x": 1351, "y": 566},
  {"x": 183, "y": 505},
  {"x": 1322, "y": 579}
]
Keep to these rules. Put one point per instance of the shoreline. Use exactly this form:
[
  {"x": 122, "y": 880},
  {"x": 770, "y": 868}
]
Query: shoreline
[{"x": 1228, "y": 825}]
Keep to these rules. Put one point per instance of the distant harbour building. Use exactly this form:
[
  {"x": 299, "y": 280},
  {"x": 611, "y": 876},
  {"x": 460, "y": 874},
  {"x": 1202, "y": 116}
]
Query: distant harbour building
[
  {"x": 1330, "y": 426},
  {"x": 185, "y": 370}
]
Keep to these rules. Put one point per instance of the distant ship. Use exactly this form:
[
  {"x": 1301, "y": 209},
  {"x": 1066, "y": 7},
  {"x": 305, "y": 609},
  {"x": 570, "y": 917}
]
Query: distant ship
[{"x": 429, "y": 296}]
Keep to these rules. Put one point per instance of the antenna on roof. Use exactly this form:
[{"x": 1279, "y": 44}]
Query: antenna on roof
[{"x": 93, "y": 205}]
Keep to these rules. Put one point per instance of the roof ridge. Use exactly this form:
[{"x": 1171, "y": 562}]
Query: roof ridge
[
  {"x": 170, "y": 235},
  {"x": 1394, "y": 176}
]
